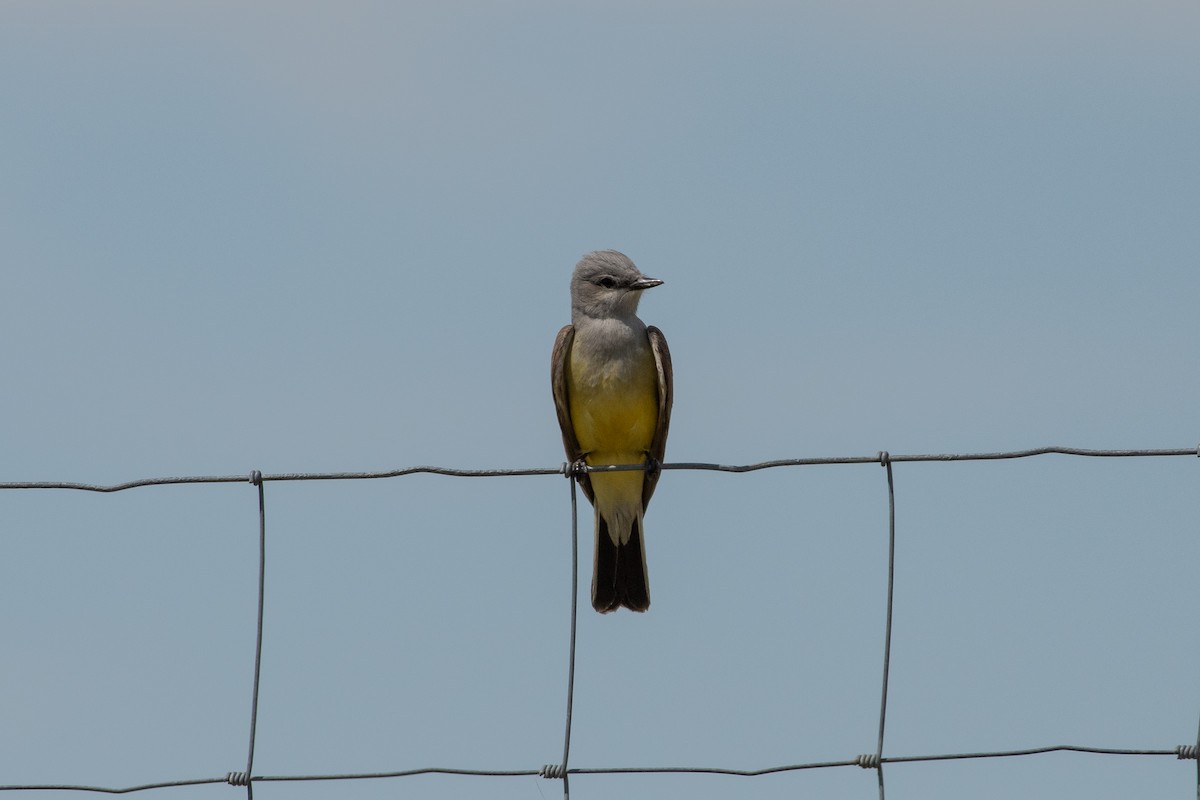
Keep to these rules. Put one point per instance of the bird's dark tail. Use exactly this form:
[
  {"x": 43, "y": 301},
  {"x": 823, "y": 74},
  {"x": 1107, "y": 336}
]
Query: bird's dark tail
[{"x": 619, "y": 576}]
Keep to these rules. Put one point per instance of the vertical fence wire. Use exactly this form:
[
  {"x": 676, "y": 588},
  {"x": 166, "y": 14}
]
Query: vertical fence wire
[
  {"x": 1197, "y": 751},
  {"x": 886, "y": 461},
  {"x": 256, "y": 479},
  {"x": 571, "y": 659}
]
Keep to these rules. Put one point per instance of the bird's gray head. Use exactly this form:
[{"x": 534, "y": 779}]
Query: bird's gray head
[{"x": 607, "y": 284}]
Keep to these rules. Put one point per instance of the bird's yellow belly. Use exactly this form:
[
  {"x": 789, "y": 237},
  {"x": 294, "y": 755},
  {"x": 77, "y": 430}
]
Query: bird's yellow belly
[
  {"x": 615, "y": 416},
  {"x": 614, "y": 409}
]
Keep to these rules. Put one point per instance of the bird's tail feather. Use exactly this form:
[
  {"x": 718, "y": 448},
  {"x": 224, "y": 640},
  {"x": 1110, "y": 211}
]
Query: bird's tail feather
[{"x": 619, "y": 576}]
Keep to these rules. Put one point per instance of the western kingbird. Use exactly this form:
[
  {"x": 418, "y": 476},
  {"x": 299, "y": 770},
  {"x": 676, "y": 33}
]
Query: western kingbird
[{"x": 611, "y": 376}]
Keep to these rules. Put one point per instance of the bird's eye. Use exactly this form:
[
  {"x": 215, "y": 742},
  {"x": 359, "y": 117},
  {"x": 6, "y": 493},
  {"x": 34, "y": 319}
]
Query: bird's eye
[{"x": 607, "y": 282}]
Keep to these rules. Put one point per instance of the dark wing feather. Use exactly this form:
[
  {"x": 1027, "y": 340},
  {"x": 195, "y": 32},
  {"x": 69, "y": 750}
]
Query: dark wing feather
[
  {"x": 666, "y": 395},
  {"x": 558, "y": 384}
]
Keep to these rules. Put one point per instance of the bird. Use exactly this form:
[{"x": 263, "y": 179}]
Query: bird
[{"x": 612, "y": 382}]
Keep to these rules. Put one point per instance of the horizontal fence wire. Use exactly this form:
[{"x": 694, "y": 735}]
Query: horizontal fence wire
[
  {"x": 864, "y": 761},
  {"x": 561, "y": 770},
  {"x": 564, "y": 469}
]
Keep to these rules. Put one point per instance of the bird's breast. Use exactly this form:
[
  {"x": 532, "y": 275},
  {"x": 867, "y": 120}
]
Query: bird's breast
[{"x": 614, "y": 400}]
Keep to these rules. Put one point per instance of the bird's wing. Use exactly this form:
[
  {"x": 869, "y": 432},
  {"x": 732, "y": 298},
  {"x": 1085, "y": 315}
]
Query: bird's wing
[
  {"x": 666, "y": 394},
  {"x": 562, "y": 404}
]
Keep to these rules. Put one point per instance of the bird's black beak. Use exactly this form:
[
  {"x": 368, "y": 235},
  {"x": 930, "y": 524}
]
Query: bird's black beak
[{"x": 645, "y": 283}]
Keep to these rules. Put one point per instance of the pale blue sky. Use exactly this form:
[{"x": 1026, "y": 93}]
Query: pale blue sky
[{"x": 300, "y": 237}]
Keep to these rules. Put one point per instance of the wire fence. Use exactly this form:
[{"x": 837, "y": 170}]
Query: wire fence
[{"x": 562, "y": 770}]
